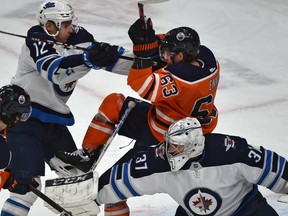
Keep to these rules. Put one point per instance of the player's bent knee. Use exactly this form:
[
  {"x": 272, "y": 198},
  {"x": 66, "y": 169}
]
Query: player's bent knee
[{"x": 111, "y": 107}]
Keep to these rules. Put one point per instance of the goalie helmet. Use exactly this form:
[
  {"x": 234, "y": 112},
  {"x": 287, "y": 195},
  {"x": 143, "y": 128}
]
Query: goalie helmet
[
  {"x": 58, "y": 12},
  {"x": 14, "y": 104},
  {"x": 186, "y": 137},
  {"x": 182, "y": 39}
]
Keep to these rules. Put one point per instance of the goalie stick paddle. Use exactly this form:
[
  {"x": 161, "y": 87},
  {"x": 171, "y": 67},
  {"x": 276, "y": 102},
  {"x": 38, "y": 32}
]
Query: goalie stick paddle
[
  {"x": 61, "y": 210},
  {"x": 131, "y": 105}
]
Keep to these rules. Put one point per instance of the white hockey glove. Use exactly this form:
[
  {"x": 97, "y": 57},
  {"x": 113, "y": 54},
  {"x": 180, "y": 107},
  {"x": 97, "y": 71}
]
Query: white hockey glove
[{"x": 76, "y": 194}]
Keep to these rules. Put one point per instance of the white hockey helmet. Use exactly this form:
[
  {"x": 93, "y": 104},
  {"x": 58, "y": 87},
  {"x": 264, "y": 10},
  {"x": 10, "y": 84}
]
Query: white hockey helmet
[
  {"x": 186, "y": 133},
  {"x": 58, "y": 12}
]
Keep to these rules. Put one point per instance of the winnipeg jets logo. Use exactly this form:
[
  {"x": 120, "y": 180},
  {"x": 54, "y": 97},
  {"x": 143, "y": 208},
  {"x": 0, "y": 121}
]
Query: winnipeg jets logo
[
  {"x": 202, "y": 201},
  {"x": 69, "y": 86},
  {"x": 229, "y": 143},
  {"x": 49, "y": 5}
]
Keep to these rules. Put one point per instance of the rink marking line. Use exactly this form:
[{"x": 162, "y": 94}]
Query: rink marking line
[{"x": 256, "y": 105}]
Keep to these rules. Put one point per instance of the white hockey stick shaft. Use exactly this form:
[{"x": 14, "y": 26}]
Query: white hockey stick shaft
[{"x": 131, "y": 105}]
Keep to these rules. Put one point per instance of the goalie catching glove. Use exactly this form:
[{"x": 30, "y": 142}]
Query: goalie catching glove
[{"x": 81, "y": 159}]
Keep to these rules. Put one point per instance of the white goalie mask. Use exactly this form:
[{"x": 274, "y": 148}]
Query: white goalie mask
[
  {"x": 58, "y": 12},
  {"x": 184, "y": 140}
]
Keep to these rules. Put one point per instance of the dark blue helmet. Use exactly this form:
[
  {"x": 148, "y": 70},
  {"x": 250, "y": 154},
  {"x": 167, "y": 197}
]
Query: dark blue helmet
[
  {"x": 181, "y": 39},
  {"x": 15, "y": 104}
]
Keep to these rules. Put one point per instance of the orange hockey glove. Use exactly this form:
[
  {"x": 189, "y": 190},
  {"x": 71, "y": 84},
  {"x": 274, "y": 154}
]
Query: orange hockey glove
[
  {"x": 4, "y": 175},
  {"x": 18, "y": 182}
]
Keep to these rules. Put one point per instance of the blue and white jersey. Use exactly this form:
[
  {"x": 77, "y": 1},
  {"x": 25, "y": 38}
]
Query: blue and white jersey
[
  {"x": 49, "y": 72},
  {"x": 218, "y": 183}
]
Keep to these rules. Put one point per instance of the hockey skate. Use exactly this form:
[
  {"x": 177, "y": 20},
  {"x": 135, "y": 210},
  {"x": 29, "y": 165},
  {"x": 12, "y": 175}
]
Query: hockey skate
[{"x": 81, "y": 159}]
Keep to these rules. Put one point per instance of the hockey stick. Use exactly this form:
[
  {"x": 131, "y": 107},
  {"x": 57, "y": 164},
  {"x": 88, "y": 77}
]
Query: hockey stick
[
  {"x": 61, "y": 210},
  {"x": 131, "y": 105},
  {"x": 141, "y": 11},
  {"x": 141, "y": 8},
  {"x": 65, "y": 45}
]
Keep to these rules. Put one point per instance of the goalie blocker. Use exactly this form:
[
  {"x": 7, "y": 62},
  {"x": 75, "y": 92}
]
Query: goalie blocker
[{"x": 76, "y": 194}]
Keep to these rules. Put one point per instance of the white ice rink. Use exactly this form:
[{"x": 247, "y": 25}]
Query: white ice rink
[{"x": 249, "y": 38}]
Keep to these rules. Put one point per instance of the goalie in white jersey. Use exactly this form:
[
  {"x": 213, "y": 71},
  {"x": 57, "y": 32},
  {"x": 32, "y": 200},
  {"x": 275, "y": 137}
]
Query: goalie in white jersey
[{"x": 211, "y": 174}]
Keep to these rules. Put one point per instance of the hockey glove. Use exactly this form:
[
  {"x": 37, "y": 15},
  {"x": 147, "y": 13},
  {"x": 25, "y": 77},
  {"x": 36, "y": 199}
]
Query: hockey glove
[
  {"x": 100, "y": 55},
  {"x": 4, "y": 176},
  {"x": 145, "y": 42},
  {"x": 141, "y": 63},
  {"x": 19, "y": 182}
]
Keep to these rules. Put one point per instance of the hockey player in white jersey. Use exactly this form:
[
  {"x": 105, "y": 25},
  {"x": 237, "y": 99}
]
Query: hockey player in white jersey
[
  {"x": 211, "y": 174},
  {"x": 49, "y": 72}
]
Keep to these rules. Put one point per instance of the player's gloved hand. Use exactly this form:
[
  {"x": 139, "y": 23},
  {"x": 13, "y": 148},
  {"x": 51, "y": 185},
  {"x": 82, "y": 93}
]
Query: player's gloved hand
[
  {"x": 100, "y": 55},
  {"x": 145, "y": 42},
  {"x": 141, "y": 63},
  {"x": 19, "y": 182},
  {"x": 4, "y": 176}
]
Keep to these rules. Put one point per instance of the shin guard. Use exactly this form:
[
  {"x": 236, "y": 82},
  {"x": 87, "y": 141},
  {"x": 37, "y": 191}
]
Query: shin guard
[{"x": 103, "y": 123}]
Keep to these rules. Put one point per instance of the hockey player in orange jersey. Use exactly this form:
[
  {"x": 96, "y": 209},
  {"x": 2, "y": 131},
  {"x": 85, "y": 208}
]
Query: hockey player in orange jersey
[{"x": 184, "y": 86}]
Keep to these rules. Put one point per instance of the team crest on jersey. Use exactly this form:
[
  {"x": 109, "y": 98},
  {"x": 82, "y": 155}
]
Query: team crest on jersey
[
  {"x": 65, "y": 90},
  {"x": 229, "y": 143},
  {"x": 202, "y": 201}
]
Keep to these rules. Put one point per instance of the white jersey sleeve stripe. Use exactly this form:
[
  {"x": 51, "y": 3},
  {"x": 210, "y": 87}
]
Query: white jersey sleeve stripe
[
  {"x": 114, "y": 185},
  {"x": 41, "y": 61},
  {"x": 53, "y": 67},
  {"x": 281, "y": 164},
  {"x": 266, "y": 166},
  {"x": 126, "y": 174}
]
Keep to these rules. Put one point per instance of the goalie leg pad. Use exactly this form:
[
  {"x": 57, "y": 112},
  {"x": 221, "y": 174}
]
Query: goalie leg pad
[{"x": 76, "y": 194}]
